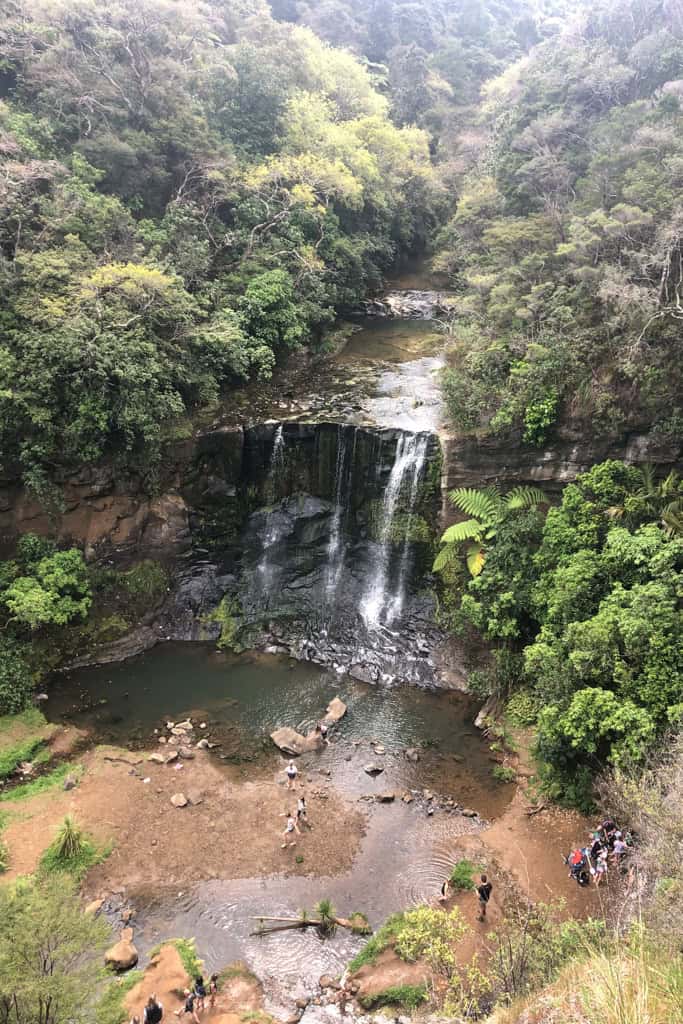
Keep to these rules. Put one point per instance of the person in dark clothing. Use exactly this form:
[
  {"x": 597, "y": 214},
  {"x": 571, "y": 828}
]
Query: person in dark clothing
[
  {"x": 200, "y": 991},
  {"x": 188, "y": 1007},
  {"x": 484, "y": 892},
  {"x": 154, "y": 1011}
]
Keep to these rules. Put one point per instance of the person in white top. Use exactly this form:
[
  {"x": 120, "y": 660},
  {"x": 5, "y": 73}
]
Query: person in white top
[
  {"x": 290, "y": 828},
  {"x": 291, "y": 771}
]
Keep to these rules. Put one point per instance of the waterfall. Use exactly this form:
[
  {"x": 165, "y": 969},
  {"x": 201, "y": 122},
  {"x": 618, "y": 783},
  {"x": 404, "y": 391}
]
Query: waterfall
[
  {"x": 343, "y": 474},
  {"x": 409, "y": 460},
  {"x": 396, "y": 606},
  {"x": 265, "y": 569}
]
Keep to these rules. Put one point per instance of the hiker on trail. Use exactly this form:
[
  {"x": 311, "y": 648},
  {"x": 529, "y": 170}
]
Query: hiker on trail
[
  {"x": 301, "y": 812},
  {"x": 484, "y": 893},
  {"x": 188, "y": 1006},
  {"x": 445, "y": 891},
  {"x": 213, "y": 990},
  {"x": 154, "y": 1011},
  {"x": 291, "y": 771},
  {"x": 200, "y": 992},
  {"x": 290, "y": 829}
]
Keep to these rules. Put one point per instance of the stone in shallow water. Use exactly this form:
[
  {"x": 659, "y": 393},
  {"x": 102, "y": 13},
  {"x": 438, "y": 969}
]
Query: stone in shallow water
[
  {"x": 123, "y": 953},
  {"x": 373, "y": 769},
  {"x": 336, "y": 710}
]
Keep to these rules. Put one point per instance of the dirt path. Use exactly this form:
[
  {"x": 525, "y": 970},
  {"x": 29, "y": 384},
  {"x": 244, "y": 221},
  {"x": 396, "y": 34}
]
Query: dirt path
[
  {"x": 230, "y": 829},
  {"x": 165, "y": 977}
]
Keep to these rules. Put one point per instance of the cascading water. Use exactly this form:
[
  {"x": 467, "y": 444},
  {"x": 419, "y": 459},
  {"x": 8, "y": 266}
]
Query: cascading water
[
  {"x": 396, "y": 606},
  {"x": 265, "y": 570},
  {"x": 336, "y": 548},
  {"x": 378, "y": 603}
]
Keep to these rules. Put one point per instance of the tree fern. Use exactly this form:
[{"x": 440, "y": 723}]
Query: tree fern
[
  {"x": 484, "y": 504},
  {"x": 467, "y": 530},
  {"x": 524, "y": 497},
  {"x": 447, "y": 556}
]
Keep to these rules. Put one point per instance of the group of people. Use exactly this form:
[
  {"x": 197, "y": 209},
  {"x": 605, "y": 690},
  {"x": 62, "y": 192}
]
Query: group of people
[
  {"x": 608, "y": 845},
  {"x": 195, "y": 1000},
  {"x": 483, "y": 891},
  {"x": 300, "y": 818}
]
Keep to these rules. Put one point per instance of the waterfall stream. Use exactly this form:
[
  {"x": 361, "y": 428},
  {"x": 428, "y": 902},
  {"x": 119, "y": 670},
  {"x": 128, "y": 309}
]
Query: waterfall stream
[
  {"x": 336, "y": 548},
  {"x": 378, "y": 601}
]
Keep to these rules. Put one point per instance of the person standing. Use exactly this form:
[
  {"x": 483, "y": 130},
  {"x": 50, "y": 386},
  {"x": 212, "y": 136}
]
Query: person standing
[
  {"x": 291, "y": 771},
  {"x": 153, "y": 1011},
  {"x": 188, "y": 1006},
  {"x": 290, "y": 828},
  {"x": 484, "y": 890},
  {"x": 302, "y": 813}
]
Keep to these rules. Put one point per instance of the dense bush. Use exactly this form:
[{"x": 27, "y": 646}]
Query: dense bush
[{"x": 585, "y": 610}]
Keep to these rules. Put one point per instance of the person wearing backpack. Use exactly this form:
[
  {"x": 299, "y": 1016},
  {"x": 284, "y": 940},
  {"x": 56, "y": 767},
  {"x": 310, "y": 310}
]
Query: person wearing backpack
[
  {"x": 154, "y": 1011},
  {"x": 484, "y": 893}
]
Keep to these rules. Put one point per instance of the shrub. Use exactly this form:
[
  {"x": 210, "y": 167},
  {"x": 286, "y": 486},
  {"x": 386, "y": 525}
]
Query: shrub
[
  {"x": 71, "y": 851},
  {"x": 522, "y": 708},
  {"x": 407, "y": 996},
  {"x": 461, "y": 875},
  {"x": 503, "y": 773},
  {"x": 16, "y": 677},
  {"x": 429, "y": 934}
]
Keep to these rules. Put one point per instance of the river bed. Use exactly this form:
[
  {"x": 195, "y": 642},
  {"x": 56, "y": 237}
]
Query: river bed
[{"x": 405, "y": 852}]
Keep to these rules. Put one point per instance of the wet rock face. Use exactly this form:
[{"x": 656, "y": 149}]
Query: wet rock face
[{"x": 408, "y": 304}]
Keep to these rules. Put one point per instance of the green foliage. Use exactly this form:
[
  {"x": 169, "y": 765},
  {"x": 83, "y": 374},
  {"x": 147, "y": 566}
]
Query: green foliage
[
  {"x": 50, "y": 952},
  {"x": 110, "y": 1008},
  {"x": 228, "y": 615},
  {"x": 57, "y": 591},
  {"x": 146, "y": 581},
  {"x": 503, "y": 773},
  {"x": 408, "y": 997},
  {"x": 16, "y": 676},
  {"x": 430, "y": 934},
  {"x": 380, "y": 941},
  {"x": 566, "y": 223},
  {"x": 71, "y": 852},
  {"x": 585, "y": 609},
  {"x": 188, "y": 955},
  {"x": 461, "y": 875},
  {"x": 12, "y": 757},
  {"x": 174, "y": 241}
]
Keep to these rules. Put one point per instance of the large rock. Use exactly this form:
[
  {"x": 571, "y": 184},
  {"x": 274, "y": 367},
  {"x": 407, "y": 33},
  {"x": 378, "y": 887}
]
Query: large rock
[
  {"x": 293, "y": 743},
  {"x": 179, "y": 800},
  {"x": 123, "y": 955},
  {"x": 336, "y": 710}
]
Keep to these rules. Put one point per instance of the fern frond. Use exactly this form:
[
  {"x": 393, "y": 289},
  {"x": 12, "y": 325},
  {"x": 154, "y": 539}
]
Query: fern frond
[
  {"x": 670, "y": 484},
  {"x": 524, "y": 497},
  {"x": 475, "y": 558},
  {"x": 647, "y": 474},
  {"x": 484, "y": 504},
  {"x": 458, "y": 532},
  {"x": 672, "y": 518},
  {"x": 445, "y": 557}
]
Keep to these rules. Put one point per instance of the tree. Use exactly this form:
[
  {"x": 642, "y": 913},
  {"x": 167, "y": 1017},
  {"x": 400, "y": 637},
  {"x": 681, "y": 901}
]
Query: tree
[
  {"x": 57, "y": 591},
  {"x": 487, "y": 509},
  {"x": 50, "y": 954}
]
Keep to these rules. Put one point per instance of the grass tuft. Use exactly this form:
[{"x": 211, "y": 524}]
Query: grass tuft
[
  {"x": 409, "y": 997},
  {"x": 380, "y": 941},
  {"x": 72, "y": 851}
]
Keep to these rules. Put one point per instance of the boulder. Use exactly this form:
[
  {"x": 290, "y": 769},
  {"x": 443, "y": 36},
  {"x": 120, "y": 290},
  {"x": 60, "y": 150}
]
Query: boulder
[
  {"x": 70, "y": 782},
  {"x": 385, "y": 798},
  {"x": 179, "y": 800},
  {"x": 336, "y": 710},
  {"x": 407, "y": 798},
  {"x": 172, "y": 756},
  {"x": 93, "y": 907},
  {"x": 156, "y": 758},
  {"x": 373, "y": 769},
  {"x": 186, "y": 753},
  {"x": 327, "y": 981},
  {"x": 467, "y": 812},
  {"x": 203, "y": 744},
  {"x": 293, "y": 743},
  {"x": 123, "y": 955}
]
